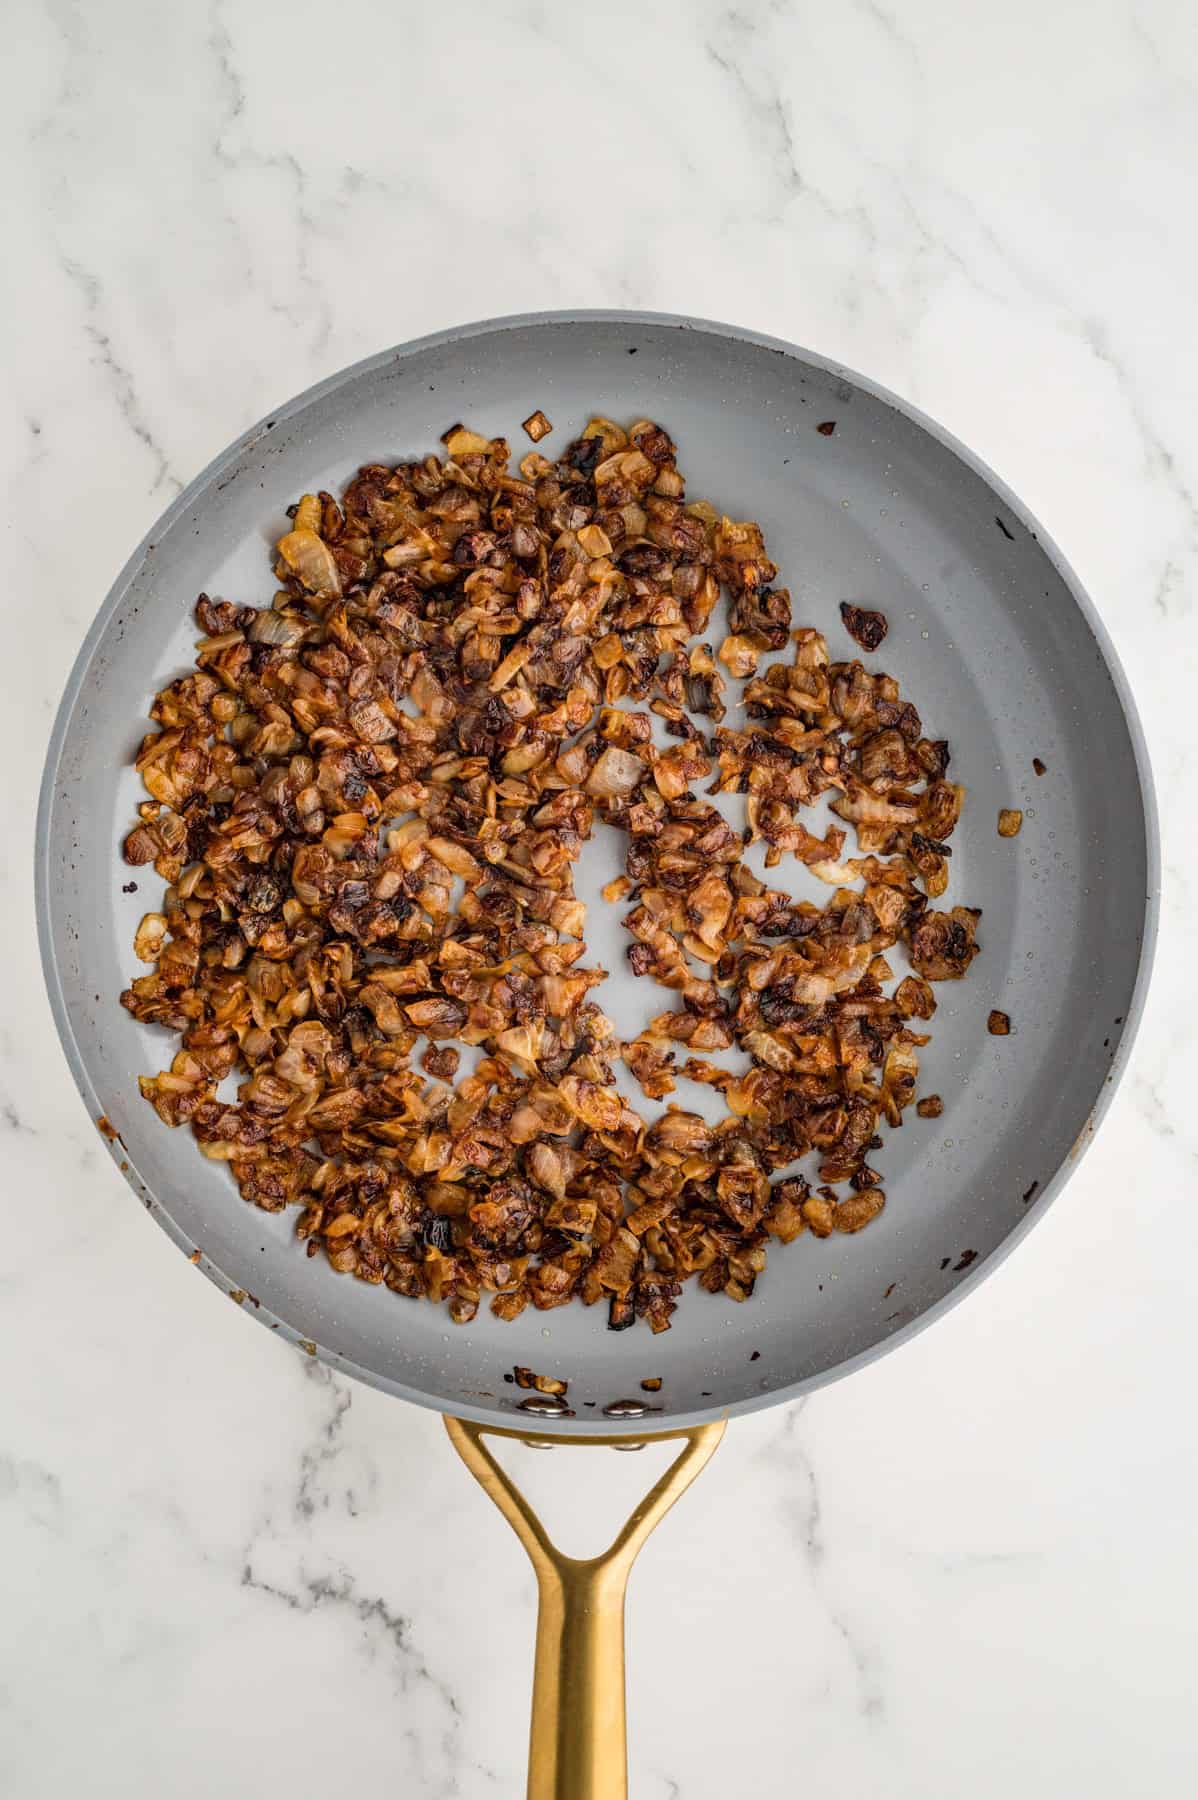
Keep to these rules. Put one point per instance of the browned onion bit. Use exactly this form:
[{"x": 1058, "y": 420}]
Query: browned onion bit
[
  {"x": 536, "y": 426},
  {"x": 544, "y": 1384},
  {"x": 867, "y": 628},
  {"x": 367, "y": 801}
]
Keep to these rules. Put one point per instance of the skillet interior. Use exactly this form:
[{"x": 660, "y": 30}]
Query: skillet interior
[{"x": 990, "y": 636}]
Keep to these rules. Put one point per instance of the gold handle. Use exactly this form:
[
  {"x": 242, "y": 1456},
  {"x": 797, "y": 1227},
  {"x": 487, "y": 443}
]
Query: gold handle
[{"x": 578, "y": 1743}]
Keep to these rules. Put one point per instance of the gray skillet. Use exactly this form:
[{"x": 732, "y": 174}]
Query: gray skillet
[{"x": 990, "y": 633}]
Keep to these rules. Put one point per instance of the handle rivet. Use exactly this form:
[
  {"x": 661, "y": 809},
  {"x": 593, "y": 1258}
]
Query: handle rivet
[{"x": 547, "y": 1405}]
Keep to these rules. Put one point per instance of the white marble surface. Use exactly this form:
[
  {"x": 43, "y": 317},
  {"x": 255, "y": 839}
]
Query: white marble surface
[{"x": 969, "y": 1569}]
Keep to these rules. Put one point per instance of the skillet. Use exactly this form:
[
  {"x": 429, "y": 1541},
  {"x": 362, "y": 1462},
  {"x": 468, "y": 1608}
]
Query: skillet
[{"x": 990, "y": 633}]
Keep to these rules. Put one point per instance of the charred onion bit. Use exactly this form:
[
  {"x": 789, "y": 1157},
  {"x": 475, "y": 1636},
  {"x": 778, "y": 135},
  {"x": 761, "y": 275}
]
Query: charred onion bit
[
  {"x": 367, "y": 800},
  {"x": 866, "y": 628}
]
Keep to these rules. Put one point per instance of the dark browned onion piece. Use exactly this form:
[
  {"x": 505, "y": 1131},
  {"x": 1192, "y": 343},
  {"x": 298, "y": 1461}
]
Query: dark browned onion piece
[{"x": 867, "y": 628}]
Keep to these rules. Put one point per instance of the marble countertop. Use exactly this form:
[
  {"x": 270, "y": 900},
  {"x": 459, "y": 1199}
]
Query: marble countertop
[{"x": 969, "y": 1568}]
